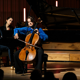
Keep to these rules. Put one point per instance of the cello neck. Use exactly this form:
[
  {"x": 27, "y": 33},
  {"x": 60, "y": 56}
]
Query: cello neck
[
  {"x": 30, "y": 40},
  {"x": 39, "y": 21}
]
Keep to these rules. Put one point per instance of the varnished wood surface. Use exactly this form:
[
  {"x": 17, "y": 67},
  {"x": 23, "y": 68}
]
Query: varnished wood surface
[
  {"x": 62, "y": 45},
  {"x": 58, "y": 69},
  {"x": 63, "y": 55}
]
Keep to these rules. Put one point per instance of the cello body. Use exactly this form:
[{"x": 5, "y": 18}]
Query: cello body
[{"x": 28, "y": 53}]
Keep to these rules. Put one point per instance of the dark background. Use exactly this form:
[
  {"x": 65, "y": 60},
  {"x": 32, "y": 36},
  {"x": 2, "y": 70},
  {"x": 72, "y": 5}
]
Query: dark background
[{"x": 62, "y": 24}]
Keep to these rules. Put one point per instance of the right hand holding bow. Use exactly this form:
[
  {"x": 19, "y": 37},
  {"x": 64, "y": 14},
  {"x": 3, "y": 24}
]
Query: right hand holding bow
[{"x": 16, "y": 36}]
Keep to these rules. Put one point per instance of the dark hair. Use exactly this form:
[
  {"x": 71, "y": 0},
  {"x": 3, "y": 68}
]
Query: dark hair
[
  {"x": 7, "y": 19},
  {"x": 69, "y": 76},
  {"x": 36, "y": 74},
  {"x": 1, "y": 74},
  {"x": 32, "y": 18},
  {"x": 50, "y": 76}
]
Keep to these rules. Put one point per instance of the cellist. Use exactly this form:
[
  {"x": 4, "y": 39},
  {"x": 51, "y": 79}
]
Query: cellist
[{"x": 25, "y": 31}]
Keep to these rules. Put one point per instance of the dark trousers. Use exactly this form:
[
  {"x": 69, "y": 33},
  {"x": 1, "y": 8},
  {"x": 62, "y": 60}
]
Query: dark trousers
[{"x": 19, "y": 66}]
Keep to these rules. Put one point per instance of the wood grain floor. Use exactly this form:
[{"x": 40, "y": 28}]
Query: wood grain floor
[{"x": 58, "y": 69}]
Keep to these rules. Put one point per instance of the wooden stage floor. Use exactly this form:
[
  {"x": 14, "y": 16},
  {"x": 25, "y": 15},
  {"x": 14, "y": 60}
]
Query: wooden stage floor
[{"x": 58, "y": 69}]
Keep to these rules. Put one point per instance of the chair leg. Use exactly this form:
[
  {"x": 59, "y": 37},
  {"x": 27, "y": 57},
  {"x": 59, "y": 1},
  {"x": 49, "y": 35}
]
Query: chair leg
[
  {"x": 44, "y": 67},
  {"x": 24, "y": 69}
]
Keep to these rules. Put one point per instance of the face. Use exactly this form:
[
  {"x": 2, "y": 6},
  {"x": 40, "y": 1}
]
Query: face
[
  {"x": 29, "y": 22},
  {"x": 9, "y": 21}
]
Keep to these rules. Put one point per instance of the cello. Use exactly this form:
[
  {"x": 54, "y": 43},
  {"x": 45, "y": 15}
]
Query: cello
[{"x": 28, "y": 53}]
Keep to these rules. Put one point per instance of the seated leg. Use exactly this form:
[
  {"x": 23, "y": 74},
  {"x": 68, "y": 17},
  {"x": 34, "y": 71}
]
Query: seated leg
[{"x": 39, "y": 59}]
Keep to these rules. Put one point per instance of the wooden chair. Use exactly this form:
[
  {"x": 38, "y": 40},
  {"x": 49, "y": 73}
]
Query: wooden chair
[{"x": 45, "y": 57}]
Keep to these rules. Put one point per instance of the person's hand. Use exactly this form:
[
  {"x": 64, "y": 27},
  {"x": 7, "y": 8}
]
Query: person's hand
[
  {"x": 37, "y": 31},
  {"x": 16, "y": 36},
  {"x": 0, "y": 37}
]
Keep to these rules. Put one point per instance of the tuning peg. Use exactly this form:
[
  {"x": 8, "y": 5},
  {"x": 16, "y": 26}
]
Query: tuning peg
[{"x": 39, "y": 20}]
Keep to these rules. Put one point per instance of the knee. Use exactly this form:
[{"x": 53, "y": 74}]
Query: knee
[
  {"x": 41, "y": 51},
  {"x": 16, "y": 53}
]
